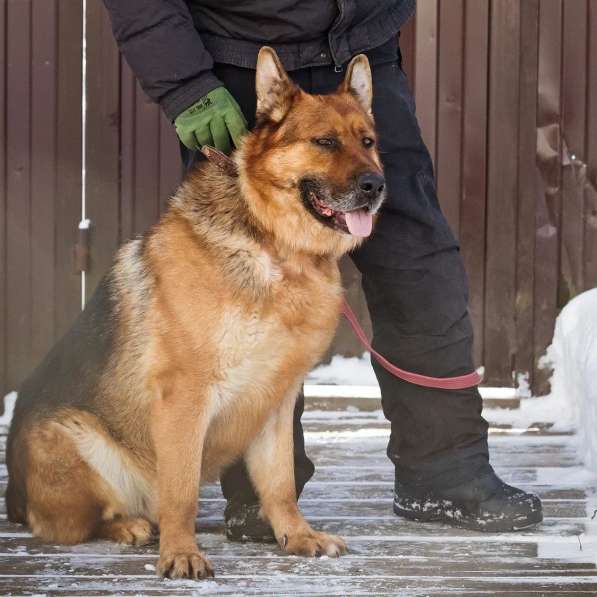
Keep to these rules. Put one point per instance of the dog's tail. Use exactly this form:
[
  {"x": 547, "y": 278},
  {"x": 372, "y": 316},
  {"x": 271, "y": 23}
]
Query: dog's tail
[
  {"x": 16, "y": 503},
  {"x": 16, "y": 491}
]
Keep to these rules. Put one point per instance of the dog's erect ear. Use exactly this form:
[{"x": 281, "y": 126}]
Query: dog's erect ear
[
  {"x": 358, "y": 81},
  {"x": 274, "y": 88}
]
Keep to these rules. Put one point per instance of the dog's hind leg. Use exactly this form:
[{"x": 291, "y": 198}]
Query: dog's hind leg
[
  {"x": 271, "y": 466},
  {"x": 68, "y": 499},
  {"x": 63, "y": 505}
]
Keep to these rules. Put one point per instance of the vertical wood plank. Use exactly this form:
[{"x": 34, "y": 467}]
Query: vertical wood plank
[
  {"x": 102, "y": 142},
  {"x": 590, "y": 211},
  {"x": 574, "y": 72},
  {"x": 408, "y": 49},
  {"x": 169, "y": 159},
  {"x": 527, "y": 188},
  {"x": 68, "y": 167},
  {"x": 43, "y": 176},
  {"x": 449, "y": 110},
  {"x": 474, "y": 160},
  {"x": 3, "y": 75},
  {"x": 127, "y": 152},
  {"x": 18, "y": 190},
  {"x": 502, "y": 191},
  {"x": 547, "y": 264},
  {"x": 426, "y": 71},
  {"x": 147, "y": 167}
]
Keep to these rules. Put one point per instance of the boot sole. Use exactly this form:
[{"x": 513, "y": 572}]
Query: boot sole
[{"x": 487, "y": 525}]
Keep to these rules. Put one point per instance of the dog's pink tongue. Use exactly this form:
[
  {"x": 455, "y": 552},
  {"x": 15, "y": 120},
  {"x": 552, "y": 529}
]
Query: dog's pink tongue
[{"x": 359, "y": 222}]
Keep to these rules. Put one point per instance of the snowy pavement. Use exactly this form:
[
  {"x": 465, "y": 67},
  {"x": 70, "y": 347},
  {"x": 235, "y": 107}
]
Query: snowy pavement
[{"x": 351, "y": 494}]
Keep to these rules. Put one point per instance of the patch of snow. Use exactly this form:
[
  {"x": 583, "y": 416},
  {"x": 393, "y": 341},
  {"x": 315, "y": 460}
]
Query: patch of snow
[
  {"x": 573, "y": 357},
  {"x": 9, "y": 408},
  {"x": 577, "y": 548},
  {"x": 545, "y": 409},
  {"x": 498, "y": 393},
  {"x": 345, "y": 416},
  {"x": 566, "y": 477},
  {"x": 345, "y": 435},
  {"x": 150, "y": 567},
  {"x": 523, "y": 389},
  {"x": 351, "y": 371},
  {"x": 341, "y": 391}
]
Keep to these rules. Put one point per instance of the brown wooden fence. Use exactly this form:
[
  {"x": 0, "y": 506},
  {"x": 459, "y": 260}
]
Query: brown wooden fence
[
  {"x": 40, "y": 177},
  {"x": 507, "y": 99}
]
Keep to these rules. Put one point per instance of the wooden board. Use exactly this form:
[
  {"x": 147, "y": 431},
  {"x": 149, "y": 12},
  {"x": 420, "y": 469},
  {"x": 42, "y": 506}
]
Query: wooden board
[
  {"x": 548, "y": 207},
  {"x": 351, "y": 494},
  {"x": 102, "y": 144},
  {"x": 3, "y": 198},
  {"x": 474, "y": 162}
]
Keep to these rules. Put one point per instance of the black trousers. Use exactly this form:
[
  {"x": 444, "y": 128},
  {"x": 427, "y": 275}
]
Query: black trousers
[{"x": 416, "y": 292}]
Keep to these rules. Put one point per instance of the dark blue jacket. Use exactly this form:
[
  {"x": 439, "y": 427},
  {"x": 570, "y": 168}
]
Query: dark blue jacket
[{"x": 171, "y": 45}]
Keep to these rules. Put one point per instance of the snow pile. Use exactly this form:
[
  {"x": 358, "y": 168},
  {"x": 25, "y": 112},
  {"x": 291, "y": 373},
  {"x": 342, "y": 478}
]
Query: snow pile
[
  {"x": 532, "y": 412},
  {"x": 573, "y": 357},
  {"x": 9, "y": 407}
]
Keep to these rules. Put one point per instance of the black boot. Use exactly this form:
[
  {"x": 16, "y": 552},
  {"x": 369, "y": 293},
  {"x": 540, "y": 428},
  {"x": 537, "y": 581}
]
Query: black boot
[
  {"x": 243, "y": 523},
  {"x": 485, "y": 504}
]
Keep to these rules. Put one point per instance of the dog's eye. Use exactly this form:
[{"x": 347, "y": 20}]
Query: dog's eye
[
  {"x": 325, "y": 141},
  {"x": 368, "y": 142}
]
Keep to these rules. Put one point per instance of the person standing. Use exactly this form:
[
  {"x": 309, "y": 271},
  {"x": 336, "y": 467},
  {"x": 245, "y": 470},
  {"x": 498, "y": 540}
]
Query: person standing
[{"x": 197, "y": 59}]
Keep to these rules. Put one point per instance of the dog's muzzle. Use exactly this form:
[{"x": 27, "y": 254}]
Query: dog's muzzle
[{"x": 349, "y": 211}]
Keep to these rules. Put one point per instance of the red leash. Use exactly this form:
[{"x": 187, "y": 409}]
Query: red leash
[{"x": 446, "y": 383}]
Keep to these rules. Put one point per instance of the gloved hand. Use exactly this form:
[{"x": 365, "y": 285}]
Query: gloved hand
[{"x": 212, "y": 121}]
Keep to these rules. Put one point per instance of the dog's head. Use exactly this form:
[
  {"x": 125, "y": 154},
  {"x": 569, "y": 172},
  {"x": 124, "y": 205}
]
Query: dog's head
[{"x": 310, "y": 169}]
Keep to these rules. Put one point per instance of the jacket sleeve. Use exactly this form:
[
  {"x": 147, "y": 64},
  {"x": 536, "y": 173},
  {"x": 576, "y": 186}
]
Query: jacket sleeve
[{"x": 164, "y": 50}]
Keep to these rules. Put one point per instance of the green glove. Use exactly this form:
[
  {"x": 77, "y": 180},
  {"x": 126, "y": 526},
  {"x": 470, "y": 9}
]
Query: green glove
[{"x": 212, "y": 121}]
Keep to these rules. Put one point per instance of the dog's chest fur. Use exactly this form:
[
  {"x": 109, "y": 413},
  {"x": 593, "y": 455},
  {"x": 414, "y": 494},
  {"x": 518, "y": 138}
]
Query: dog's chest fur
[
  {"x": 265, "y": 349},
  {"x": 295, "y": 318},
  {"x": 241, "y": 320}
]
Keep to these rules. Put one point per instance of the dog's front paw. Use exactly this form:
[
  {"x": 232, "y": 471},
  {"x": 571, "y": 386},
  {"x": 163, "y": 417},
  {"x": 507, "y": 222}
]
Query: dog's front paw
[
  {"x": 312, "y": 543},
  {"x": 184, "y": 564}
]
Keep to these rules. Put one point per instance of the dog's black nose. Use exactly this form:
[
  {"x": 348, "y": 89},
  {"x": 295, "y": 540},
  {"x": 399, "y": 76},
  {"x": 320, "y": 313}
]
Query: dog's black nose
[{"x": 371, "y": 184}]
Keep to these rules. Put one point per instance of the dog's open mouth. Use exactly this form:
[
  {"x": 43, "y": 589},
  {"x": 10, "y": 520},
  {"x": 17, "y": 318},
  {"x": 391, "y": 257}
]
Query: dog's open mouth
[{"x": 358, "y": 222}]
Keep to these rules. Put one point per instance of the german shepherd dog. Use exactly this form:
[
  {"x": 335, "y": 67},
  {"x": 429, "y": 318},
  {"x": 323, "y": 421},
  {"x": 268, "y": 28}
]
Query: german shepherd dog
[{"x": 191, "y": 352}]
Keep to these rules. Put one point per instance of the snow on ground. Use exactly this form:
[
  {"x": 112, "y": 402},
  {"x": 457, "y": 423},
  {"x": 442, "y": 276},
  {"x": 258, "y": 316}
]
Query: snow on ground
[
  {"x": 9, "y": 407},
  {"x": 544, "y": 409},
  {"x": 573, "y": 357},
  {"x": 348, "y": 371}
]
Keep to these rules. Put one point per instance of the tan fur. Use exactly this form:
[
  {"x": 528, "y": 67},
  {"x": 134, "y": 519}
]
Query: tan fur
[{"x": 220, "y": 310}]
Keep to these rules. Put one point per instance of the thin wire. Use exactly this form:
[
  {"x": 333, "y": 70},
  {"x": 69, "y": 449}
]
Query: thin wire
[{"x": 83, "y": 135}]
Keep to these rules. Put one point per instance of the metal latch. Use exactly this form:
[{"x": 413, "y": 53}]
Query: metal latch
[{"x": 82, "y": 247}]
